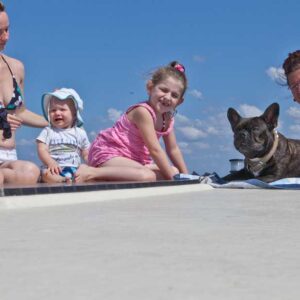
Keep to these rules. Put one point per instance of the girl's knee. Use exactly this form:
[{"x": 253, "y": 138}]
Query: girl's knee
[
  {"x": 147, "y": 175},
  {"x": 175, "y": 170}
]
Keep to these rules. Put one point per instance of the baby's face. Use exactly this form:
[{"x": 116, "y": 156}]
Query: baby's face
[{"x": 62, "y": 113}]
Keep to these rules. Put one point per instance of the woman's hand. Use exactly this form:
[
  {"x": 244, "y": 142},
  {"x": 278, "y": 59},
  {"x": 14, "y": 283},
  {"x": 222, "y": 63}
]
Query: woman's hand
[{"x": 14, "y": 121}]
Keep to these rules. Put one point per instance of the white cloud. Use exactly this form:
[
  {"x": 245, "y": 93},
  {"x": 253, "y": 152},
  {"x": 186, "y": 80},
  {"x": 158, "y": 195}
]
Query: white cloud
[
  {"x": 200, "y": 145},
  {"x": 295, "y": 128},
  {"x": 92, "y": 134},
  {"x": 218, "y": 125},
  {"x": 294, "y": 112},
  {"x": 199, "y": 58},
  {"x": 114, "y": 114},
  {"x": 277, "y": 75},
  {"x": 185, "y": 147},
  {"x": 192, "y": 133},
  {"x": 196, "y": 94},
  {"x": 226, "y": 148},
  {"x": 212, "y": 130},
  {"x": 24, "y": 142},
  {"x": 182, "y": 120},
  {"x": 249, "y": 110}
]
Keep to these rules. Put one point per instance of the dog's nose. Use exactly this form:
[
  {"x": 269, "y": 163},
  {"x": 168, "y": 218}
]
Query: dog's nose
[{"x": 242, "y": 135}]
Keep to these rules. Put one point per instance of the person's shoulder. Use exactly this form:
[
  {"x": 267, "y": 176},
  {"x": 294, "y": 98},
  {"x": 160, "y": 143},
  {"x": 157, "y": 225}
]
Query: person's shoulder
[
  {"x": 140, "y": 115},
  {"x": 16, "y": 65},
  {"x": 141, "y": 109},
  {"x": 45, "y": 129},
  {"x": 43, "y": 133}
]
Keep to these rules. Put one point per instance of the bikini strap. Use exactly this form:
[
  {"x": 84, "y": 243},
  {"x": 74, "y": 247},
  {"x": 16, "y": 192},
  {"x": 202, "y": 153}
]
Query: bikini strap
[{"x": 12, "y": 74}]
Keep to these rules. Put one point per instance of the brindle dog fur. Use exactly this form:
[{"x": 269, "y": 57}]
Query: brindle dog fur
[{"x": 254, "y": 138}]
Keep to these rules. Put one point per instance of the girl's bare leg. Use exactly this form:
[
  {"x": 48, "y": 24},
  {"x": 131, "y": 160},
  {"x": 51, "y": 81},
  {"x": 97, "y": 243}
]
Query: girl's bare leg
[
  {"x": 116, "y": 169},
  {"x": 157, "y": 172}
]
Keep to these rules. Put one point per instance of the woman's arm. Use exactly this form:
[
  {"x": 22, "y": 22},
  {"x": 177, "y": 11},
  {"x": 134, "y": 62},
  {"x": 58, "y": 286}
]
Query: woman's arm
[
  {"x": 174, "y": 152},
  {"x": 143, "y": 120},
  {"x": 30, "y": 118},
  {"x": 27, "y": 117}
]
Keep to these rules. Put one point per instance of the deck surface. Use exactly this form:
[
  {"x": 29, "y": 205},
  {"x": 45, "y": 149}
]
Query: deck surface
[{"x": 177, "y": 242}]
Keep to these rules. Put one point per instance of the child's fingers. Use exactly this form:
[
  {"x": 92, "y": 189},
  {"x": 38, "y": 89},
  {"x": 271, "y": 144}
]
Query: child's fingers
[
  {"x": 57, "y": 170},
  {"x": 54, "y": 170}
]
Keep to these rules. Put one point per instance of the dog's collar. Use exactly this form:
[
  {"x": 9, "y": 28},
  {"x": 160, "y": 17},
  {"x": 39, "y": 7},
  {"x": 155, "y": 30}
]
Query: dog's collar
[{"x": 257, "y": 164}]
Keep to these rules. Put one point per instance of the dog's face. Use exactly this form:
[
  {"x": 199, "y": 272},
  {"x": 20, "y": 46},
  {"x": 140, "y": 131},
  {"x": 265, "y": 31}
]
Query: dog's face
[{"x": 254, "y": 137}]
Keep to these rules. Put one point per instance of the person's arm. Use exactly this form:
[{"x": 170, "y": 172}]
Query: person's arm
[
  {"x": 84, "y": 144},
  {"x": 143, "y": 120},
  {"x": 46, "y": 159},
  {"x": 84, "y": 154},
  {"x": 25, "y": 116},
  {"x": 174, "y": 152},
  {"x": 30, "y": 118}
]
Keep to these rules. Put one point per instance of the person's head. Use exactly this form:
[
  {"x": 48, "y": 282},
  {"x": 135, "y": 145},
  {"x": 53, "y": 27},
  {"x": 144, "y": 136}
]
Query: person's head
[
  {"x": 167, "y": 86},
  {"x": 291, "y": 67},
  {"x": 62, "y": 113},
  {"x": 62, "y": 108},
  {"x": 2, "y": 6},
  {"x": 4, "y": 27}
]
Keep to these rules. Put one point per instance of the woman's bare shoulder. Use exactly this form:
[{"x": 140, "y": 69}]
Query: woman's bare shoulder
[{"x": 16, "y": 65}]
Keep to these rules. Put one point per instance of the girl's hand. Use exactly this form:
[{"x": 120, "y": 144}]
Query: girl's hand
[
  {"x": 54, "y": 169},
  {"x": 14, "y": 121}
]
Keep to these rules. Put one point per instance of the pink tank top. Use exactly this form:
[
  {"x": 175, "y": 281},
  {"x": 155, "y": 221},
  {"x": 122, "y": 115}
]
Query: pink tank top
[{"x": 123, "y": 140}]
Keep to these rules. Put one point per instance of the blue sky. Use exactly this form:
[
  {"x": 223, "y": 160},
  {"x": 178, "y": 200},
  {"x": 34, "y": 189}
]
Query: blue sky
[{"x": 232, "y": 51}]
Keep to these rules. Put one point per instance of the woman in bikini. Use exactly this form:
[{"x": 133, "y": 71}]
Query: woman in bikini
[{"x": 13, "y": 114}]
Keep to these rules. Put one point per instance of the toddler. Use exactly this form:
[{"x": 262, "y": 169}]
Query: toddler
[{"x": 61, "y": 145}]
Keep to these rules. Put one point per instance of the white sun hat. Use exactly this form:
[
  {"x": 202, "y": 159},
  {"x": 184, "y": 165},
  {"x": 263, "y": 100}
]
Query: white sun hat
[{"x": 63, "y": 94}]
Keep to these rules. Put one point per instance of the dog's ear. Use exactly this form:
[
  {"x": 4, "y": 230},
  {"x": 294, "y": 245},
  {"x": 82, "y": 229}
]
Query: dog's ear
[
  {"x": 271, "y": 115},
  {"x": 233, "y": 117}
]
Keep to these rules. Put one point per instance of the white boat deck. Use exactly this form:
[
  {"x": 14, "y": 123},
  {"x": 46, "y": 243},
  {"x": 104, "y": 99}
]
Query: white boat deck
[{"x": 178, "y": 242}]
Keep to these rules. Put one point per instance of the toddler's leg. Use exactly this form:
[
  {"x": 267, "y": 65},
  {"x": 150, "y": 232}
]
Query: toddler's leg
[{"x": 47, "y": 177}]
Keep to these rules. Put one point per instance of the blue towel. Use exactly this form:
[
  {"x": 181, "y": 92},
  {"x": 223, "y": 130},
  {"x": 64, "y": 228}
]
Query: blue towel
[
  {"x": 216, "y": 181},
  {"x": 181, "y": 176}
]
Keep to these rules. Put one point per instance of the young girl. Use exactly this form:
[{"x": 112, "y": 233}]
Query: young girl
[
  {"x": 61, "y": 145},
  {"x": 130, "y": 150}
]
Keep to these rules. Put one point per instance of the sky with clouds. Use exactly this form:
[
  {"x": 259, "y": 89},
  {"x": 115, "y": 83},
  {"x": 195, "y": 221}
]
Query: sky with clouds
[{"x": 106, "y": 50}]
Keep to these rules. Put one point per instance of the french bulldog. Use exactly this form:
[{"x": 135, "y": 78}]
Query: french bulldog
[{"x": 269, "y": 155}]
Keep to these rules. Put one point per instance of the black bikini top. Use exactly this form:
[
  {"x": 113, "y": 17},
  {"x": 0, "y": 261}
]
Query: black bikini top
[{"x": 17, "y": 97}]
